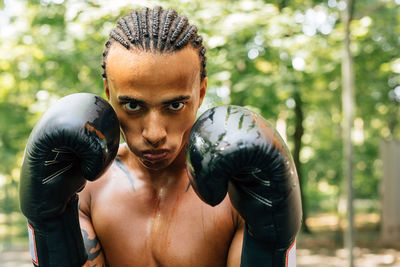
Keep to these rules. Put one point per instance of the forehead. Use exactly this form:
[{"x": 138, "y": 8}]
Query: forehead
[{"x": 137, "y": 67}]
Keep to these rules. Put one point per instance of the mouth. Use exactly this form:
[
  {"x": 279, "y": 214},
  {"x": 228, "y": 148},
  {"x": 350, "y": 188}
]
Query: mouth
[{"x": 155, "y": 155}]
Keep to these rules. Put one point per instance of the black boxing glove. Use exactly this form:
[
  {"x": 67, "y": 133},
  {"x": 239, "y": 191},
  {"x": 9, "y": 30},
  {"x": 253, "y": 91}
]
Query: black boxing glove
[
  {"x": 74, "y": 141},
  {"x": 232, "y": 149}
]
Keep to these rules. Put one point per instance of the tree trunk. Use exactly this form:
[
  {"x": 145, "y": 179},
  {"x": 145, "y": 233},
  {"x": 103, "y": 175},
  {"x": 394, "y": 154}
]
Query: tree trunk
[
  {"x": 390, "y": 187},
  {"x": 348, "y": 117},
  {"x": 298, "y": 134}
]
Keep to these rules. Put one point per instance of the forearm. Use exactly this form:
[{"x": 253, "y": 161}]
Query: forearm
[{"x": 92, "y": 244}]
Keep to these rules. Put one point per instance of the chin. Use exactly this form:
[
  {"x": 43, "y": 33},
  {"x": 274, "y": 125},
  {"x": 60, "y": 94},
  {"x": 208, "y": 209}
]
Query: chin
[{"x": 157, "y": 165}]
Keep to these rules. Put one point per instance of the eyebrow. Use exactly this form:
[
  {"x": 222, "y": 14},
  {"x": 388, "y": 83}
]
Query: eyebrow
[
  {"x": 130, "y": 99},
  {"x": 141, "y": 102},
  {"x": 176, "y": 99}
]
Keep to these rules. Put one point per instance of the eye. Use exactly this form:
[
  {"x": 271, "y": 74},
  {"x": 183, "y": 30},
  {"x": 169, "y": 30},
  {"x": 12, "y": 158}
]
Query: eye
[
  {"x": 132, "y": 106},
  {"x": 176, "y": 106}
]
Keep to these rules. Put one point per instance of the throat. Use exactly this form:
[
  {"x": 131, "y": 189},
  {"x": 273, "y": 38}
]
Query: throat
[{"x": 167, "y": 181}]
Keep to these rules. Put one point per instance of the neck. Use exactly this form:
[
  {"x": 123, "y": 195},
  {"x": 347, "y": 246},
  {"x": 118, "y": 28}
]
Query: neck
[{"x": 172, "y": 177}]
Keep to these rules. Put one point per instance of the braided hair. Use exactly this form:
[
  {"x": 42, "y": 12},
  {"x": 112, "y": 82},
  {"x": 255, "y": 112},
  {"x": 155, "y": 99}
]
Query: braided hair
[{"x": 156, "y": 30}]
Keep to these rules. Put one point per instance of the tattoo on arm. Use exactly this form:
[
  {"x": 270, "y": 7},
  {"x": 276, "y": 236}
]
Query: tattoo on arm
[{"x": 91, "y": 246}]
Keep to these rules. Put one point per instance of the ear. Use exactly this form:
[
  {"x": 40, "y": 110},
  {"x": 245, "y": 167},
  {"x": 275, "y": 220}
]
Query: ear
[
  {"x": 106, "y": 89},
  {"x": 203, "y": 88}
]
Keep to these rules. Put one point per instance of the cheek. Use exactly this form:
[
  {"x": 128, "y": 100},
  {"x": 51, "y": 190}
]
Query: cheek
[
  {"x": 131, "y": 134},
  {"x": 129, "y": 128},
  {"x": 183, "y": 125},
  {"x": 122, "y": 116}
]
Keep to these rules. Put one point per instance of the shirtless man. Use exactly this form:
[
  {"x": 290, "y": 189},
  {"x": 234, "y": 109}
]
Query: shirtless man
[{"x": 143, "y": 211}]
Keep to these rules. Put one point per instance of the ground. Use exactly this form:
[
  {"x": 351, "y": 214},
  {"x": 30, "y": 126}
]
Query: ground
[
  {"x": 19, "y": 257},
  {"x": 321, "y": 248}
]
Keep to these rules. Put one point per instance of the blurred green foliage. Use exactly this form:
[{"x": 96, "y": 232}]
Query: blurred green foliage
[{"x": 272, "y": 57}]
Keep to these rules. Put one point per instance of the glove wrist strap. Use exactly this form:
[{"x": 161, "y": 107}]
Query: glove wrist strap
[
  {"x": 58, "y": 241},
  {"x": 257, "y": 253}
]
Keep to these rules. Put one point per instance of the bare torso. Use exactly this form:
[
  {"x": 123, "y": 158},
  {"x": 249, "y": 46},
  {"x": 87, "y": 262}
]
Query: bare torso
[{"x": 140, "y": 225}]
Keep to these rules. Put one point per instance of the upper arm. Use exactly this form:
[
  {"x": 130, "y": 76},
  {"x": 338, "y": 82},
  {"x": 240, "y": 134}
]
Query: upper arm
[
  {"x": 235, "y": 249},
  {"x": 92, "y": 244}
]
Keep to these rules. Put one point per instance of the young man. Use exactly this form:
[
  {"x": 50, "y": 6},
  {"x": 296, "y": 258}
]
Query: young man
[{"x": 143, "y": 211}]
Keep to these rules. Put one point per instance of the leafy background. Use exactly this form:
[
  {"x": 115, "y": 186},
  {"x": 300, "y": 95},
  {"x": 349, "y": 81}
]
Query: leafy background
[{"x": 279, "y": 58}]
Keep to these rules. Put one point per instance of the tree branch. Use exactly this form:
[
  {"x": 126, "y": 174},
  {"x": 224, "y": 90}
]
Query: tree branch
[{"x": 370, "y": 10}]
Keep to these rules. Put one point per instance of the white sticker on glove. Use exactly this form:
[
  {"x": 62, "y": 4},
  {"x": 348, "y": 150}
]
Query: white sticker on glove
[
  {"x": 291, "y": 255},
  {"x": 32, "y": 244}
]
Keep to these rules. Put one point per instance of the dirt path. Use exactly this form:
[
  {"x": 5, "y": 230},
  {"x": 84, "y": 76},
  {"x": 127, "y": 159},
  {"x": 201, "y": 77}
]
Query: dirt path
[
  {"x": 19, "y": 257},
  {"x": 337, "y": 258}
]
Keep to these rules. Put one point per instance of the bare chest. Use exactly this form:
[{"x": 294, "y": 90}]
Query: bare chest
[{"x": 180, "y": 231}]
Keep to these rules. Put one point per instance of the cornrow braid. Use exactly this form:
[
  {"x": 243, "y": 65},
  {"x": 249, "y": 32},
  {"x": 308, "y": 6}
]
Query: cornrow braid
[
  {"x": 115, "y": 35},
  {"x": 145, "y": 27},
  {"x": 103, "y": 62},
  {"x": 166, "y": 28},
  {"x": 122, "y": 24},
  {"x": 156, "y": 30},
  {"x": 135, "y": 26},
  {"x": 183, "y": 22},
  {"x": 156, "y": 25},
  {"x": 186, "y": 37}
]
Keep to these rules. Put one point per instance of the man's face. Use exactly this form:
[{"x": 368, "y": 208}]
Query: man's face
[{"x": 156, "y": 97}]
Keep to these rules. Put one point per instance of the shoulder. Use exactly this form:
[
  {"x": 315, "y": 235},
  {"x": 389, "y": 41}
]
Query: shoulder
[
  {"x": 123, "y": 151},
  {"x": 222, "y": 214},
  {"x": 95, "y": 188},
  {"x": 236, "y": 220}
]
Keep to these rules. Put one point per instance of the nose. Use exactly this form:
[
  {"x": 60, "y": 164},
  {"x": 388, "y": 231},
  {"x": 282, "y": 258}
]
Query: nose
[{"x": 154, "y": 132}]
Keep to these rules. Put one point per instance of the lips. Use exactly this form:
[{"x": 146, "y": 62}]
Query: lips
[{"x": 155, "y": 155}]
